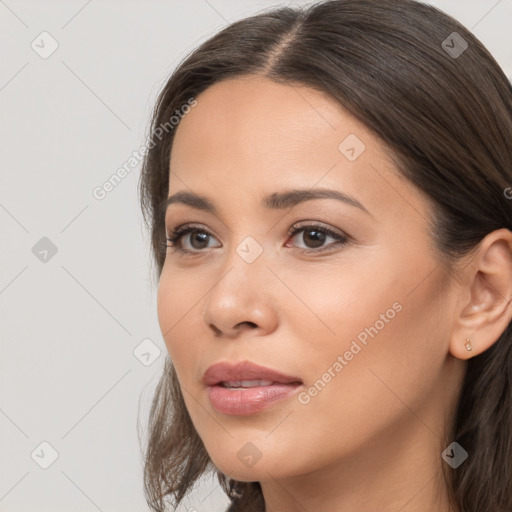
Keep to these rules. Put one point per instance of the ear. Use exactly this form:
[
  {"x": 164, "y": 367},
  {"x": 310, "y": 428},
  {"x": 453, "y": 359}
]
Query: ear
[{"x": 483, "y": 310}]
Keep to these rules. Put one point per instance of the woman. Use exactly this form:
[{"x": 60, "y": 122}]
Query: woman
[{"x": 328, "y": 192}]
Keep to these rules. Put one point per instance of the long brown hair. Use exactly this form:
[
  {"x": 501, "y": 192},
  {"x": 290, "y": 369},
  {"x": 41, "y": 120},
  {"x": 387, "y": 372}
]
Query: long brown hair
[{"x": 443, "y": 106}]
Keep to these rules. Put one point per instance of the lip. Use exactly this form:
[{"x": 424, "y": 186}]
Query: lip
[
  {"x": 245, "y": 370},
  {"x": 243, "y": 401}
]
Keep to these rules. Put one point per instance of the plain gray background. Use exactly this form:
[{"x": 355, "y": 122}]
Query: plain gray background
[{"x": 80, "y": 342}]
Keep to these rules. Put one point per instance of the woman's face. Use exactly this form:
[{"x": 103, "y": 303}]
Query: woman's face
[{"x": 359, "y": 318}]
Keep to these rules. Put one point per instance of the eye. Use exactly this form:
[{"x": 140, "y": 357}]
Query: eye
[
  {"x": 314, "y": 236},
  {"x": 196, "y": 243}
]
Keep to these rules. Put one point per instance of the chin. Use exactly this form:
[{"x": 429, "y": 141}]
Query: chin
[
  {"x": 262, "y": 469},
  {"x": 236, "y": 471}
]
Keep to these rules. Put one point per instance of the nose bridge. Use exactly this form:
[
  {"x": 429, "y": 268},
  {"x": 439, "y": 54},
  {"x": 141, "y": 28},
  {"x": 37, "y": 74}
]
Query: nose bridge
[
  {"x": 240, "y": 294},
  {"x": 245, "y": 264}
]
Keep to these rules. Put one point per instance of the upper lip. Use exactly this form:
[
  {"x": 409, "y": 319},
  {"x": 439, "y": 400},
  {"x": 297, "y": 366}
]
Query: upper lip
[{"x": 245, "y": 370}]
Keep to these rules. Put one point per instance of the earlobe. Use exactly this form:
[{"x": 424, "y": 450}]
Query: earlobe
[{"x": 486, "y": 311}]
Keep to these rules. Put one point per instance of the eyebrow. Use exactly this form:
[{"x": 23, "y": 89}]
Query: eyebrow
[{"x": 276, "y": 200}]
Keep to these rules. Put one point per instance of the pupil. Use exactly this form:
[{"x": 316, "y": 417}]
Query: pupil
[
  {"x": 201, "y": 237},
  {"x": 318, "y": 237}
]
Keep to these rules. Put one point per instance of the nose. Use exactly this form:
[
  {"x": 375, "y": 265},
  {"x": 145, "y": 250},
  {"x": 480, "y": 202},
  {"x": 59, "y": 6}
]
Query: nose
[{"x": 241, "y": 301}]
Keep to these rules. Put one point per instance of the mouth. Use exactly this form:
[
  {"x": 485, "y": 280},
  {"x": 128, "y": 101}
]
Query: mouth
[
  {"x": 245, "y": 374},
  {"x": 246, "y": 388},
  {"x": 237, "y": 384}
]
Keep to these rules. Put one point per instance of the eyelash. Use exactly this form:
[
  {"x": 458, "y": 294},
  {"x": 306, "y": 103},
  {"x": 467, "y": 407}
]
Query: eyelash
[{"x": 178, "y": 233}]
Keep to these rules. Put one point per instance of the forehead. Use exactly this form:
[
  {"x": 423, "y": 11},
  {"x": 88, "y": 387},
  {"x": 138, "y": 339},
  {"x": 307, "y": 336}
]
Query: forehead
[
  {"x": 255, "y": 136},
  {"x": 267, "y": 121}
]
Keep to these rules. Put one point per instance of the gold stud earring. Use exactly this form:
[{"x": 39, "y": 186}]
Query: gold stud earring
[{"x": 468, "y": 344}]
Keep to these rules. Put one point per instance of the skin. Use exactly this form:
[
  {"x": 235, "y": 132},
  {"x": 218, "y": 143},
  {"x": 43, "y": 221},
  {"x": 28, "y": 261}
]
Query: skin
[{"x": 371, "y": 439}]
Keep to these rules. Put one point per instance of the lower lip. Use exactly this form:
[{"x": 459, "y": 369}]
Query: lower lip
[{"x": 242, "y": 401}]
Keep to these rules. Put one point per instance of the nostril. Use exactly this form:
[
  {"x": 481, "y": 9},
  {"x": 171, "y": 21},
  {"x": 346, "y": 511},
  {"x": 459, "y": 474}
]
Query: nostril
[
  {"x": 216, "y": 330},
  {"x": 239, "y": 326},
  {"x": 250, "y": 324}
]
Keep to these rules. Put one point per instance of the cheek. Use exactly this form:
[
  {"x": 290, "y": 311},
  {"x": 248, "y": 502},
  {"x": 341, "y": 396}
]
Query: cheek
[
  {"x": 369, "y": 338},
  {"x": 342, "y": 301},
  {"x": 177, "y": 304},
  {"x": 177, "y": 301}
]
